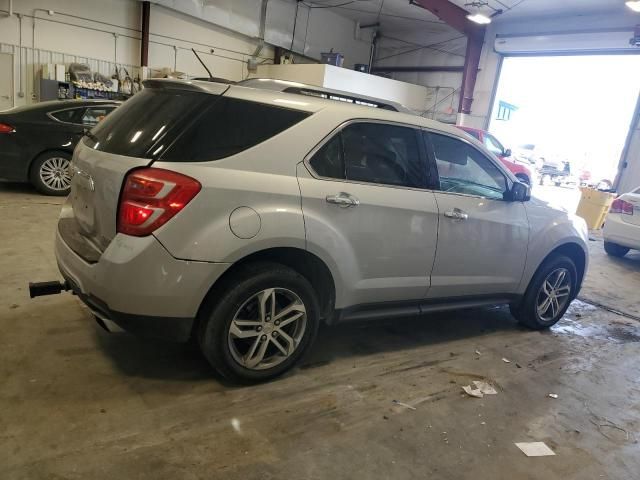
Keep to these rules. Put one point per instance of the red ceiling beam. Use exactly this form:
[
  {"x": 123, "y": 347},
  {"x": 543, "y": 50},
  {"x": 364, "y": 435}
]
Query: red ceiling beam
[{"x": 456, "y": 17}]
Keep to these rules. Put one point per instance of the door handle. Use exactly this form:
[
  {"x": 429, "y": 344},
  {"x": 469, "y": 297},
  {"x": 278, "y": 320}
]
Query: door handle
[
  {"x": 456, "y": 214},
  {"x": 343, "y": 199},
  {"x": 5, "y": 96}
]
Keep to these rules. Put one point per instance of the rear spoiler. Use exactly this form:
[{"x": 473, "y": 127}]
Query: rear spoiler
[{"x": 217, "y": 88}]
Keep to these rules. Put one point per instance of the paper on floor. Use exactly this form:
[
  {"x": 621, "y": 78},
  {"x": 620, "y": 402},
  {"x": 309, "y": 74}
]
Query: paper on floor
[
  {"x": 535, "y": 449},
  {"x": 479, "y": 389}
]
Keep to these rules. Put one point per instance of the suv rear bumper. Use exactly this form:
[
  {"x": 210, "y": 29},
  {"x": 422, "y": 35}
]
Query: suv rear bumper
[{"x": 139, "y": 286}]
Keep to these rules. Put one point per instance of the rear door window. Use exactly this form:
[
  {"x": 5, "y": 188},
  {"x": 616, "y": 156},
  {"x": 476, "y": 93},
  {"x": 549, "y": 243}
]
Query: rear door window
[
  {"x": 230, "y": 126},
  {"x": 373, "y": 153}
]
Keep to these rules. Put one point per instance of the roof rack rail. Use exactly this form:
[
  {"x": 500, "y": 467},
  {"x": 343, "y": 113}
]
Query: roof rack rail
[{"x": 367, "y": 102}]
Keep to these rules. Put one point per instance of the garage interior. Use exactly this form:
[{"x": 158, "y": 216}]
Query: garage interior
[{"x": 380, "y": 399}]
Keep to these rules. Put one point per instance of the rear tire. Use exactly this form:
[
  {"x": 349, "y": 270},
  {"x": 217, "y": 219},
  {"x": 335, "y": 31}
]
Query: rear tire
[
  {"x": 247, "y": 343},
  {"x": 615, "y": 250},
  {"x": 50, "y": 173},
  {"x": 541, "y": 308}
]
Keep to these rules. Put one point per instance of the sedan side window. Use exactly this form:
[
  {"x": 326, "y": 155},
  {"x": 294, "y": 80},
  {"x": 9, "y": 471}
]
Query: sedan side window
[
  {"x": 70, "y": 115},
  {"x": 93, "y": 115},
  {"x": 463, "y": 169}
]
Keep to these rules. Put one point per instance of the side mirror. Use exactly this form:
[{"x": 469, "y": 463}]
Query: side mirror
[
  {"x": 507, "y": 153},
  {"x": 520, "y": 192}
]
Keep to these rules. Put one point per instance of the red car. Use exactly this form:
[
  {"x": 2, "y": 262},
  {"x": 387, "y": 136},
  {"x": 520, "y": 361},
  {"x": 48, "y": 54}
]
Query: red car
[{"x": 521, "y": 172}]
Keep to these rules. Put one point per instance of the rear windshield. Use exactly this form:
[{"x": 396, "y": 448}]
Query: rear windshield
[{"x": 185, "y": 126}]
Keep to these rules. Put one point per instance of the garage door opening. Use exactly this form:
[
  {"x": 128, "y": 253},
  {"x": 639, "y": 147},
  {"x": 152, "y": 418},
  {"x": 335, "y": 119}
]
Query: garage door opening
[{"x": 566, "y": 117}]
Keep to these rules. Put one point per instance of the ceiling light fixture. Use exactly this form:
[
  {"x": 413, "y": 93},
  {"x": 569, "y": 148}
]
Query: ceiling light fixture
[
  {"x": 634, "y": 5},
  {"x": 482, "y": 19}
]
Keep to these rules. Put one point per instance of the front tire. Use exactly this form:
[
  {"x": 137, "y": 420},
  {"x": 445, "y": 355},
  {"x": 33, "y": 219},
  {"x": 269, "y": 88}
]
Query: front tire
[
  {"x": 263, "y": 322},
  {"x": 549, "y": 294},
  {"x": 523, "y": 178},
  {"x": 615, "y": 250},
  {"x": 50, "y": 173}
]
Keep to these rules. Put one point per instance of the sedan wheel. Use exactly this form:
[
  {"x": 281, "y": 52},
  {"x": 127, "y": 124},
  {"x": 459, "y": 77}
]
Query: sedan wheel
[
  {"x": 50, "y": 173},
  {"x": 54, "y": 173},
  {"x": 267, "y": 329}
]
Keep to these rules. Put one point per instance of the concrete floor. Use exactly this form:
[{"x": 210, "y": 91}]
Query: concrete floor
[{"x": 77, "y": 403}]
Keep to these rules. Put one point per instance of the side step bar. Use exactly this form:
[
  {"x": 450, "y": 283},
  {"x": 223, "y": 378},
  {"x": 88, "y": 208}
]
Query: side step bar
[{"x": 39, "y": 289}]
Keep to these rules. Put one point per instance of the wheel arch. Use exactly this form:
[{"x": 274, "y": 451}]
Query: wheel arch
[
  {"x": 42, "y": 152},
  {"x": 576, "y": 253},
  {"x": 302, "y": 261}
]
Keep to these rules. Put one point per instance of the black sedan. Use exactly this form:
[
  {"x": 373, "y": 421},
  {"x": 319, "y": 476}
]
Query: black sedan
[{"x": 37, "y": 141}]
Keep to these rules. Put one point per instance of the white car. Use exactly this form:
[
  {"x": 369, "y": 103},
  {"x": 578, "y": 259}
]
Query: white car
[
  {"x": 622, "y": 227},
  {"x": 242, "y": 217}
]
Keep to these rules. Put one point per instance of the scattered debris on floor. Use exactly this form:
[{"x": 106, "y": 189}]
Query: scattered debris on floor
[
  {"x": 553, "y": 395},
  {"x": 478, "y": 352},
  {"x": 505, "y": 360},
  {"x": 479, "y": 389},
  {"x": 406, "y": 405},
  {"x": 535, "y": 449}
]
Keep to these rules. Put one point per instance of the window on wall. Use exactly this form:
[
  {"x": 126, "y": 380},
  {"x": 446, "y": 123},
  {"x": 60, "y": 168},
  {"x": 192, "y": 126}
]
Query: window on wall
[
  {"x": 463, "y": 169},
  {"x": 373, "y": 153}
]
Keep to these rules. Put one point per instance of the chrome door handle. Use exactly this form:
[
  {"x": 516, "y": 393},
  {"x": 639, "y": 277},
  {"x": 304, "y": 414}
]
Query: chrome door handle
[
  {"x": 456, "y": 214},
  {"x": 343, "y": 199}
]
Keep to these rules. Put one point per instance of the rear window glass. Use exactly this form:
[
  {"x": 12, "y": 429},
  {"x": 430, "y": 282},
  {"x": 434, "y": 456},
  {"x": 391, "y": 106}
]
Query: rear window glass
[
  {"x": 143, "y": 126},
  {"x": 185, "y": 126},
  {"x": 230, "y": 126}
]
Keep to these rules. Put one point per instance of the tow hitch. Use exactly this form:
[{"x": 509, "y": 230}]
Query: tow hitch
[{"x": 39, "y": 289}]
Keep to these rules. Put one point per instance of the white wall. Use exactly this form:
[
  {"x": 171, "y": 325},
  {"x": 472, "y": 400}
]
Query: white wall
[
  {"x": 106, "y": 33},
  {"x": 231, "y": 50},
  {"x": 443, "y": 87},
  {"x": 317, "y": 30}
]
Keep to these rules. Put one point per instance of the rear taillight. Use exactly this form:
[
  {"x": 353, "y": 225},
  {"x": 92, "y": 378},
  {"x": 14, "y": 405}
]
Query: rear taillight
[
  {"x": 620, "y": 206},
  {"x": 5, "y": 128},
  {"x": 151, "y": 197}
]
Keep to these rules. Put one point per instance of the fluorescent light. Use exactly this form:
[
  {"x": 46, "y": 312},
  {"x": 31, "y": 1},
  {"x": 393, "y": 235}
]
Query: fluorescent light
[
  {"x": 483, "y": 19},
  {"x": 634, "y": 5}
]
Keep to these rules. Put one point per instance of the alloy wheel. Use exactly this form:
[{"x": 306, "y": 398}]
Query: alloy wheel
[
  {"x": 267, "y": 329},
  {"x": 554, "y": 294},
  {"x": 54, "y": 173}
]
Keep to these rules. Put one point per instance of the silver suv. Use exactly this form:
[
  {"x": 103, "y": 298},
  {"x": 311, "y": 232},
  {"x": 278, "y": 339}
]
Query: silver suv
[{"x": 243, "y": 217}]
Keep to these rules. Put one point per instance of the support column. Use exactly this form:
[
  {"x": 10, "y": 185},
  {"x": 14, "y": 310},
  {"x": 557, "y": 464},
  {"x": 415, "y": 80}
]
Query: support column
[
  {"x": 456, "y": 17},
  {"x": 470, "y": 71},
  {"x": 144, "y": 46}
]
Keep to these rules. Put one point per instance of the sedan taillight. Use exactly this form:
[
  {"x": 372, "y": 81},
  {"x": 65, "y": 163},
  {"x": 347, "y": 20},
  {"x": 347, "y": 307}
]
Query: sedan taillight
[
  {"x": 151, "y": 197},
  {"x": 6, "y": 128},
  {"x": 620, "y": 206}
]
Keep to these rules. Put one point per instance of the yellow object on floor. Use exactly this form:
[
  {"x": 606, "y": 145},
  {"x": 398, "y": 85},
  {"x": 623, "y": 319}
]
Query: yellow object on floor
[{"x": 594, "y": 206}]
